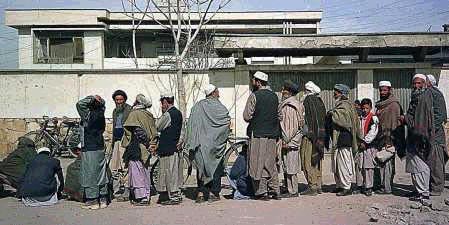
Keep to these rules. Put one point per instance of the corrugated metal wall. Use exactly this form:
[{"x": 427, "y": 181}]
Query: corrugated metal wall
[
  {"x": 324, "y": 79},
  {"x": 401, "y": 80}
]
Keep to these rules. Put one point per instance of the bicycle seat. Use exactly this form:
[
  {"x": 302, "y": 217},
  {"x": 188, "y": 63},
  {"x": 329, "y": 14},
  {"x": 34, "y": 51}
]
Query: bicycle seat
[{"x": 70, "y": 123}]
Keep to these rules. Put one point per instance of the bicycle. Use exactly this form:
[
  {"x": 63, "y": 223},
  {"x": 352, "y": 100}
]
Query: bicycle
[
  {"x": 51, "y": 135},
  {"x": 236, "y": 144}
]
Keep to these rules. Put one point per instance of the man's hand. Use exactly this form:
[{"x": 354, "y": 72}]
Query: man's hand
[{"x": 179, "y": 145}]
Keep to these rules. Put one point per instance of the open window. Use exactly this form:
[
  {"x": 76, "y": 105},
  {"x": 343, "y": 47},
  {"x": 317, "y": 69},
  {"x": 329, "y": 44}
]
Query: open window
[{"x": 58, "y": 47}]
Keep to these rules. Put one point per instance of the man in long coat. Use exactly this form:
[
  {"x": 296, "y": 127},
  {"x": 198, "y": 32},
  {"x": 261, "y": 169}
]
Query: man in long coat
[
  {"x": 291, "y": 118},
  {"x": 94, "y": 177},
  {"x": 312, "y": 145},
  {"x": 438, "y": 154},
  {"x": 261, "y": 112},
  {"x": 345, "y": 135},
  {"x": 391, "y": 135},
  {"x": 421, "y": 135},
  {"x": 206, "y": 135},
  {"x": 116, "y": 164}
]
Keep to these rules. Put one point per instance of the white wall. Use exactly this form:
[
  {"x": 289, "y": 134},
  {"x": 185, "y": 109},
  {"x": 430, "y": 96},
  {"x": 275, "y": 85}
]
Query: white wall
[{"x": 35, "y": 95}]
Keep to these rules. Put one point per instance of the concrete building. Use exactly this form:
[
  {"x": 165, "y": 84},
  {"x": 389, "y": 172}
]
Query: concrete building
[
  {"x": 100, "y": 39},
  {"x": 65, "y": 55}
]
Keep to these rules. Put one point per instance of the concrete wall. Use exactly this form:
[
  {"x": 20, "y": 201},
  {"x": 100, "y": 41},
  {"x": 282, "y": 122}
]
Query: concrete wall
[{"x": 27, "y": 97}]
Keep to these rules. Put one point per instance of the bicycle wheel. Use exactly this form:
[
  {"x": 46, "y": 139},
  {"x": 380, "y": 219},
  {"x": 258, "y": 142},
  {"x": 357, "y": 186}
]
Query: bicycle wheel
[
  {"x": 72, "y": 142},
  {"x": 231, "y": 155},
  {"x": 185, "y": 165}
]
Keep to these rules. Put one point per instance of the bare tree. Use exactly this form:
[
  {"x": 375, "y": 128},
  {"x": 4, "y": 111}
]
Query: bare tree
[{"x": 184, "y": 19}]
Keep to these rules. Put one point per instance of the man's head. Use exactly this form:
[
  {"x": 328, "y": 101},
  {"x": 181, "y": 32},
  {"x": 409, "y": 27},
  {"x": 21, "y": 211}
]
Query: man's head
[
  {"x": 312, "y": 88},
  {"x": 259, "y": 80},
  {"x": 211, "y": 91},
  {"x": 143, "y": 101},
  {"x": 167, "y": 100},
  {"x": 119, "y": 98},
  {"x": 97, "y": 104},
  {"x": 431, "y": 81},
  {"x": 44, "y": 150},
  {"x": 384, "y": 89},
  {"x": 289, "y": 89},
  {"x": 357, "y": 104},
  {"x": 419, "y": 81},
  {"x": 341, "y": 91},
  {"x": 367, "y": 106},
  {"x": 26, "y": 142}
]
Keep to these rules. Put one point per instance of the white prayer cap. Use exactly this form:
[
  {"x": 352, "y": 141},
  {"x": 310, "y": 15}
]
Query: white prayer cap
[
  {"x": 312, "y": 87},
  {"x": 421, "y": 76},
  {"x": 432, "y": 79},
  {"x": 79, "y": 145},
  {"x": 43, "y": 149},
  {"x": 261, "y": 76},
  {"x": 384, "y": 83},
  {"x": 209, "y": 89},
  {"x": 167, "y": 95}
]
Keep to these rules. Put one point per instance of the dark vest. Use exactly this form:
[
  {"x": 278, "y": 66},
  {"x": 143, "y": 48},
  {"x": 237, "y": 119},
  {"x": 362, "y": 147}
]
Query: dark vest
[
  {"x": 265, "y": 121},
  {"x": 93, "y": 132},
  {"x": 170, "y": 136}
]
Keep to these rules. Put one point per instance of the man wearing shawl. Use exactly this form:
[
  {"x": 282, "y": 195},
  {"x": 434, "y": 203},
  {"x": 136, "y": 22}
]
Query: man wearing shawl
[
  {"x": 261, "y": 112},
  {"x": 206, "y": 135},
  {"x": 391, "y": 135},
  {"x": 438, "y": 154},
  {"x": 312, "y": 145},
  {"x": 170, "y": 176},
  {"x": 14, "y": 165},
  {"x": 116, "y": 164},
  {"x": 345, "y": 135},
  {"x": 291, "y": 118},
  {"x": 140, "y": 130},
  {"x": 421, "y": 135},
  {"x": 94, "y": 177}
]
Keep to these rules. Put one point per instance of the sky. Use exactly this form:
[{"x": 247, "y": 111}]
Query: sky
[{"x": 339, "y": 16}]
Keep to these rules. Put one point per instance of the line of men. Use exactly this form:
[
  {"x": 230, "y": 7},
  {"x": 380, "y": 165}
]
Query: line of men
[{"x": 286, "y": 135}]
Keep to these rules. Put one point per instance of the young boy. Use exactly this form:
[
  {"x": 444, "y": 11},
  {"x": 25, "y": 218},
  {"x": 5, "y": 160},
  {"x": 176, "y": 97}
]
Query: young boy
[{"x": 365, "y": 163}]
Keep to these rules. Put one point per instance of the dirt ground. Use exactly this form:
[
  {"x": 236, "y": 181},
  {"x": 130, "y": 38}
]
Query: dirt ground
[{"x": 323, "y": 209}]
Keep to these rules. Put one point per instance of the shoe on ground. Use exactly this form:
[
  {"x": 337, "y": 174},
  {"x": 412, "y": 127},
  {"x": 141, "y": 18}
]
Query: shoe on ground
[
  {"x": 214, "y": 198},
  {"x": 264, "y": 197},
  {"x": 276, "y": 197},
  {"x": 288, "y": 195},
  {"x": 200, "y": 199},
  {"x": 310, "y": 192},
  {"x": 344, "y": 193},
  {"x": 337, "y": 190},
  {"x": 103, "y": 203},
  {"x": 368, "y": 192},
  {"x": 171, "y": 202},
  {"x": 383, "y": 192},
  {"x": 92, "y": 205},
  {"x": 319, "y": 191},
  {"x": 122, "y": 198},
  {"x": 357, "y": 190},
  {"x": 144, "y": 202}
]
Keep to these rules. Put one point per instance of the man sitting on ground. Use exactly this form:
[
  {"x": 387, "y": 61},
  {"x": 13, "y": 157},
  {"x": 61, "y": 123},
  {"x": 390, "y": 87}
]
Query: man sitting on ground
[
  {"x": 239, "y": 179},
  {"x": 39, "y": 186},
  {"x": 73, "y": 186},
  {"x": 14, "y": 165}
]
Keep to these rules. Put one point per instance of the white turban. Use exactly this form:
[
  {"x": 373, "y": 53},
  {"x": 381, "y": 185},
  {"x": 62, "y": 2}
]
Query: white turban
[
  {"x": 312, "y": 87},
  {"x": 43, "y": 149},
  {"x": 432, "y": 79},
  {"x": 421, "y": 76},
  {"x": 167, "y": 95},
  {"x": 209, "y": 89},
  {"x": 261, "y": 76},
  {"x": 144, "y": 101},
  {"x": 385, "y": 83}
]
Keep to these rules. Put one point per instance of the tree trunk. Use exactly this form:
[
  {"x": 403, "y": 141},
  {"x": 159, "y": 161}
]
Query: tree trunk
[{"x": 181, "y": 88}]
